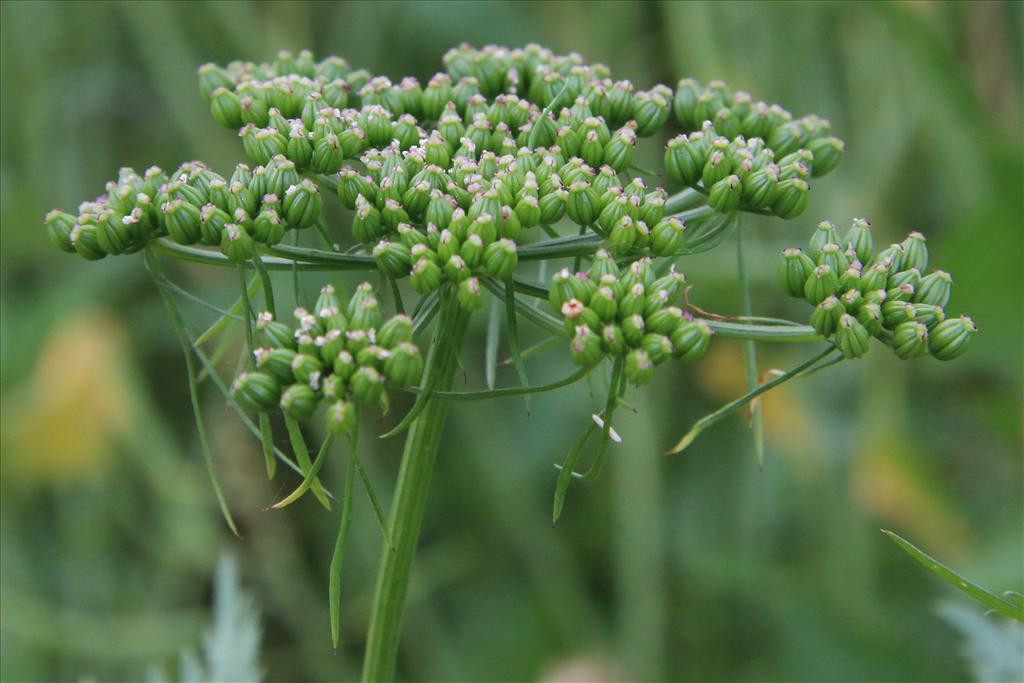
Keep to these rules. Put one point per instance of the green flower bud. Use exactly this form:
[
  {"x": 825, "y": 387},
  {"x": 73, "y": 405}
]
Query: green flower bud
[
  {"x": 604, "y": 304},
  {"x": 718, "y": 167},
  {"x": 824, "y": 234},
  {"x": 612, "y": 340},
  {"x": 852, "y": 300},
  {"x": 691, "y": 340},
  {"x": 665, "y": 320},
  {"x": 910, "y": 277},
  {"x": 226, "y": 108},
  {"x": 685, "y": 103},
  {"x": 658, "y": 347},
  {"x": 822, "y": 284},
  {"x": 236, "y": 244},
  {"x": 895, "y": 313},
  {"x": 794, "y": 271},
  {"x": 182, "y": 221},
  {"x": 272, "y": 333},
  {"x": 255, "y": 391},
  {"x": 826, "y": 316},
  {"x": 950, "y": 338},
  {"x": 684, "y": 160},
  {"x": 213, "y": 222},
  {"x": 850, "y": 278},
  {"x": 393, "y": 259},
  {"x": 832, "y": 255},
  {"x": 583, "y": 204},
  {"x": 366, "y": 224},
  {"x": 212, "y": 77},
  {"x": 83, "y": 237},
  {"x": 472, "y": 251},
  {"x": 576, "y": 314},
  {"x": 827, "y": 151},
  {"x": 874, "y": 278},
  {"x": 929, "y": 314},
  {"x": 331, "y": 342},
  {"x": 727, "y": 124},
  {"x": 395, "y": 330},
  {"x": 910, "y": 339},
  {"x": 302, "y": 204},
  {"x": 639, "y": 367},
  {"x": 404, "y": 365},
  {"x": 111, "y": 234},
  {"x": 469, "y": 294},
  {"x": 367, "y": 384},
  {"x": 268, "y": 227},
  {"x": 876, "y": 296},
  {"x": 307, "y": 369},
  {"x": 618, "y": 153},
  {"x": 584, "y": 284},
  {"x": 859, "y": 239},
  {"x": 668, "y": 237},
  {"x": 553, "y": 206},
  {"x": 915, "y": 252},
  {"x": 501, "y": 259},
  {"x": 633, "y": 301},
  {"x": 561, "y": 289},
  {"x": 299, "y": 149},
  {"x": 651, "y": 110},
  {"x": 870, "y": 316},
  {"x": 891, "y": 257},
  {"x": 851, "y": 337},
  {"x": 366, "y": 314},
  {"x": 344, "y": 365},
  {"x": 760, "y": 188},
  {"x": 341, "y": 418},
  {"x": 724, "y": 196},
  {"x": 585, "y": 347},
  {"x": 277, "y": 363},
  {"x": 623, "y": 236},
  {"x": 455, "y": 269},
  {"x": 58, "y": 228},
  {"x": 791, "y": 198},
  {"x": 426, "y": 276},
  {"x": 935, "y": 288},
  {"x": 299, "y": 401},
  {"x": 902, "y": 292},
  {"x": 633, "y": 329}
]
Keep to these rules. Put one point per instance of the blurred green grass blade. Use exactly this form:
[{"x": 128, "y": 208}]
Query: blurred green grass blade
[
  {"x": 178, "y": 321},
  {"x": 491, "y": 344},
  {"x": 750, "y": 346},
  {"x": 302, "y": 458},
  {"x": 267, "y": 439},
  {"x": 513, "y": 340},
  {"x": 338, "y": 557},
  {"x": 951, "y": 577},
  {"x": 310, "y": 477},
  {"x": 729, "y": 408}
]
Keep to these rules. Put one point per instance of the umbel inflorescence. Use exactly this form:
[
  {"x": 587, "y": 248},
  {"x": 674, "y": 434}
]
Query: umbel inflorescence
[{"x": 456, "y": 187}]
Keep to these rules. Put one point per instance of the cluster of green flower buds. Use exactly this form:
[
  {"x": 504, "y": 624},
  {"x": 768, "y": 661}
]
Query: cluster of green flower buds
[
  {"x": 541, "y": 77},
  {"x": 747, "y": 154},
  {"x": 858, "y": 295},
  {"x": 193, "y": 205},
  {"x": 627, "y": 313},
  {"x": 341, "y": 353}
]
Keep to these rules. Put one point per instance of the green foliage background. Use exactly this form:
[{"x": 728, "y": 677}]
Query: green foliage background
[{"x": 699, "y": 567}]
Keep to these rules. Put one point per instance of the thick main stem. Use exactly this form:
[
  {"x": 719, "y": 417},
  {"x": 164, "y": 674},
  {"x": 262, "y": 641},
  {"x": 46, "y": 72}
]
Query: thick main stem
[{"x": 418, "y": 458}]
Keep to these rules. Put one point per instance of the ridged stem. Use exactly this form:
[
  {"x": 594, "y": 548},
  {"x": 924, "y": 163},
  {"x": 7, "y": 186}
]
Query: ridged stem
[{"x": 405, "y": 521}]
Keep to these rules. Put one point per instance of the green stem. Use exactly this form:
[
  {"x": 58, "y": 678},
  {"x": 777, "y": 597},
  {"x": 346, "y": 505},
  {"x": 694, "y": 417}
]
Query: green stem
[
  {"x": 418, "y": 458},
  {"x": 750, "y": 346}
]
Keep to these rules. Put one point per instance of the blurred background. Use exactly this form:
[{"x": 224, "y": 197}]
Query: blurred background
[{"x": 696, "y": 567}]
